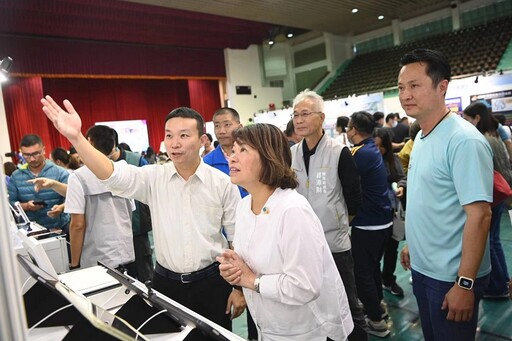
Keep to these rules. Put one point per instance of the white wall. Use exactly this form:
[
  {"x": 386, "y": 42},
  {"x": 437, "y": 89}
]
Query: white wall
[
  {"x": 243, "y": 67},
  {"x": 392, "y": 104},
  {"x": 278, "y": 64}
]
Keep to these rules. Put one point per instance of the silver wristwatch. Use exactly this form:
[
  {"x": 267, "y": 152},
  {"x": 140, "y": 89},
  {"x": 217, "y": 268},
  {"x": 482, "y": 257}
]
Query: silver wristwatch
[{"x": 257, "y": 284}]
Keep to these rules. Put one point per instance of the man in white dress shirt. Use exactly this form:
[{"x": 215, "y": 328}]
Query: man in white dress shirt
[{"x": 191, "y": 203}]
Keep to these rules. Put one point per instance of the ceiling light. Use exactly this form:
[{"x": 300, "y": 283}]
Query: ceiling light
[
  {"x": 271, "y": 42},
  {"x": 380, "y": 17},
  {"x": 290, "y": 35},
  {"x": 355, "y": 10}
]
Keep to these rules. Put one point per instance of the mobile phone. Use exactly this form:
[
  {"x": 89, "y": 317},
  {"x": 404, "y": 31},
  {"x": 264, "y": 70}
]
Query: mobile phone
[{"x": 40, "y": 203}]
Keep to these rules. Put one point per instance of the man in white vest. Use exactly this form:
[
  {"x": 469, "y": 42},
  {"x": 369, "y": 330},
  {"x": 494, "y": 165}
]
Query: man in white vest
[{"x": 329, "y": 179}]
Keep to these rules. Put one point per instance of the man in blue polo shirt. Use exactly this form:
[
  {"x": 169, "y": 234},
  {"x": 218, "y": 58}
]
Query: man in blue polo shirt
[
  {"x": 225, "y": 120},
  {"x": 449, "y": 186}
]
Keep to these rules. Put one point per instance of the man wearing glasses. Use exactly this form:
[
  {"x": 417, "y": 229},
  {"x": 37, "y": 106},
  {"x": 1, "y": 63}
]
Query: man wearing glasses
[
  {"x": 329, "y": 179},
  {"x": 44, "y": 206}
]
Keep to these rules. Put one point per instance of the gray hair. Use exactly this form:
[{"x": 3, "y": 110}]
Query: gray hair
[{"x": 311, "y": 95}]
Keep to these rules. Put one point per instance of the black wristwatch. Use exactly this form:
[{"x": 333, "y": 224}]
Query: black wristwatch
[{"x": 464, "y": 282}]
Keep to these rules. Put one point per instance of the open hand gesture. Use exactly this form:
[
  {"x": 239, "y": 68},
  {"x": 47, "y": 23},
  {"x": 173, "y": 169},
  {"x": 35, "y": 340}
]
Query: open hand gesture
[{"x": 67, "y": 123}]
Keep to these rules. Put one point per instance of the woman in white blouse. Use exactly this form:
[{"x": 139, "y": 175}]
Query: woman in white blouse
[{"x": 281, "y": 258}]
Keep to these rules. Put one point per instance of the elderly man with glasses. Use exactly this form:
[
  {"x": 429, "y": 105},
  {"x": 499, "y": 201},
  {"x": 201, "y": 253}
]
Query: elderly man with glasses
[
  {"x": 329, "y": 179},
  {"x": 44, "y": 206}
]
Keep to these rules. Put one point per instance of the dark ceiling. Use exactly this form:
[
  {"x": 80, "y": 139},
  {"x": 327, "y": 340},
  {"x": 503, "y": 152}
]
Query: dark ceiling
[
  {"x": 206, "y": 24},
  {"x": 333, "y": 16}
]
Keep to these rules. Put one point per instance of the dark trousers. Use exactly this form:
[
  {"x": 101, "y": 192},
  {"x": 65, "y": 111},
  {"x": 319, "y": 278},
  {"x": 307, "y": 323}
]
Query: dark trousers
[
  {"x": 367, "y": 249},
  {"x": 499, "y": 273},
  {"x": 345, "y": 265},
  {"x": 430, "y": 294},
  {"x": 252, "y": 331},
  {"x": 142, "y": 267},
  {"x": 389, "y": 261},
  {"x": 207, "y": 297}
]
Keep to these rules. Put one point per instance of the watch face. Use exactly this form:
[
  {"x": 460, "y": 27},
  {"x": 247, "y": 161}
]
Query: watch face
[{"x": 466, "y": 283}]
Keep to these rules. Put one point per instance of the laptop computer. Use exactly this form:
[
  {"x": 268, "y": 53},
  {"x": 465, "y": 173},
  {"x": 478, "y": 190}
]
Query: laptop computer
[
  {"x": 98, "y": 317},
  {"x": 178, "y": 312},
  {"x": 85, "y": 281}
]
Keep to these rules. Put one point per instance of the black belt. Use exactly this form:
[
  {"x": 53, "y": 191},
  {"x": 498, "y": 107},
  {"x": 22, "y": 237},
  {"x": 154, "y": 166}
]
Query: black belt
[{"x": 188, "y": 277}]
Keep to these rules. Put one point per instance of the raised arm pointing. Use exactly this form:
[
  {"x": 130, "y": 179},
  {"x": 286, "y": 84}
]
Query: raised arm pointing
[{"x": 69, "y": 125}]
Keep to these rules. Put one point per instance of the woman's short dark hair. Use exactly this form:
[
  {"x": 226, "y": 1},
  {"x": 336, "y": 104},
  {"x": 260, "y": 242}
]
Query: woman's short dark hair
[
  {"x": 342, "y": 122},
  {"x": 9, "y": 168},
  {"x": 124, "y": 146},
  {"x": 276, "y": 157},
  {"x": 487, "y": 124},
  {"x": 60, "y": 154}
]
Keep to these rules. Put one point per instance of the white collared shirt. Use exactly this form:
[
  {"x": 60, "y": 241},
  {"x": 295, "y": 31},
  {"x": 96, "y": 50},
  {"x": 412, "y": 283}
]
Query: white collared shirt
[
  {"x": 187, "y": 216},
  {"x": 302, "y": 296}
]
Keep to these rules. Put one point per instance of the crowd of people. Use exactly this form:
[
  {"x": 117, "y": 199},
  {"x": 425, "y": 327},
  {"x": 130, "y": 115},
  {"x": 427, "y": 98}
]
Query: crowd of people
[{"x": 293, "y": 225}]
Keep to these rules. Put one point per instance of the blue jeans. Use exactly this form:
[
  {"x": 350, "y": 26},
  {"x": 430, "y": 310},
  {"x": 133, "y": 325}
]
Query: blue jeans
[
  {"x": 499, "y": 273},
  {"x": 430, "y": 294}
]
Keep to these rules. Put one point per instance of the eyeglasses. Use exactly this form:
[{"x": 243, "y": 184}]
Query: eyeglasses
[
  {"x": 304, "y": 114},
  {"x": 35, "y": 155}
]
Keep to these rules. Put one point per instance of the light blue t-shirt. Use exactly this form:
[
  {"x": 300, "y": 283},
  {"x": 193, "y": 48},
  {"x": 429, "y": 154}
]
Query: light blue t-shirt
[{"x": 449, "y": 168}]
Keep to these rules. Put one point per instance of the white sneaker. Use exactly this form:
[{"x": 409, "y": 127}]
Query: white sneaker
[{"x": 378, "y": 328}]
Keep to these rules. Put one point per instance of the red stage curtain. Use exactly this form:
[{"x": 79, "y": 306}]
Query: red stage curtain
[
  {"x": 23, "y": 111},
  {"x": 203, "y": 99},
  {"x": 98, "y": 100}
]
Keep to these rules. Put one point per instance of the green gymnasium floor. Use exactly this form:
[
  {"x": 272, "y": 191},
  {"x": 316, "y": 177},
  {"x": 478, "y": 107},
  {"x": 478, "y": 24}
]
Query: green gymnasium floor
[{"x": 495, "y": 316}]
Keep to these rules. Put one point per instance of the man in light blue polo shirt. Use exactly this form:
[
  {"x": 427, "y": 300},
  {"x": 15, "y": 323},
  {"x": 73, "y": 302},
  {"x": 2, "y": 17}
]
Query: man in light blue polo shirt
[{"x": 450, "y": 184}]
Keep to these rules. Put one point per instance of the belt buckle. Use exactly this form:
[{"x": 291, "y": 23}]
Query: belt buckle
[{"x": 184, "y": 281}]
